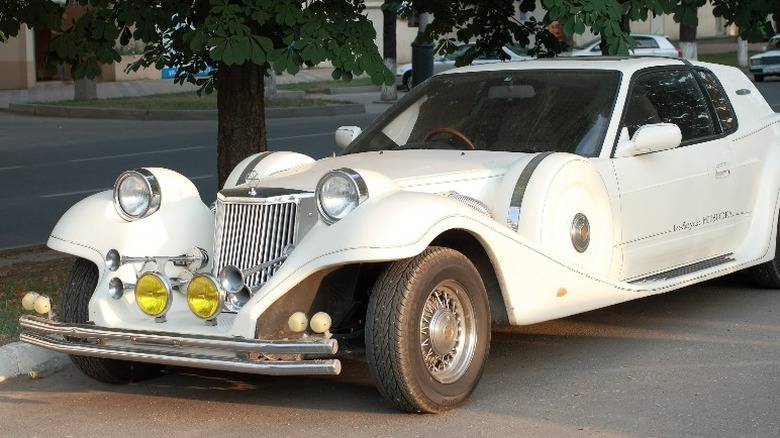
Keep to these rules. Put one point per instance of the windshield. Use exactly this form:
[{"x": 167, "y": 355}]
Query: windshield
[
  {"x": 514, "y": 111},
  {"x": 774, "y": 42},
  {"x": 588, "y": 45}
]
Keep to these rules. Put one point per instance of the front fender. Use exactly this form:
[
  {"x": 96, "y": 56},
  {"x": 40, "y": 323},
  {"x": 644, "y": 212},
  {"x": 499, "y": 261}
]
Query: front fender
[
  {"x": 379, "y": 230},
  {"x": 92, "y": 226}
]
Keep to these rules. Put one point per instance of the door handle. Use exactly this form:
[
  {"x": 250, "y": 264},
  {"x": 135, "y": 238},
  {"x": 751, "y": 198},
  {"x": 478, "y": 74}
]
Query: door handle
[{"x": 723, "y": 170}]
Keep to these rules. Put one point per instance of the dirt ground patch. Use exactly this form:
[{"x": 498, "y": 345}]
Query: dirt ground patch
[{"x": 32, "y": 269}]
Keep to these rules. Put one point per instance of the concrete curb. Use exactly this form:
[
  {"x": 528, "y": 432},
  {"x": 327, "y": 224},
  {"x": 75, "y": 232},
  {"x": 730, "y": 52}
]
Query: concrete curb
[
  {"x": 19, "y": 359},
  {"x": 32, "y": 109}
]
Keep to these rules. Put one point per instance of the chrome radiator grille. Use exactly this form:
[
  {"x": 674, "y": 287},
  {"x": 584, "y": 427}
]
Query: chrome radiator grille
[{"x": 249, "y": 233}]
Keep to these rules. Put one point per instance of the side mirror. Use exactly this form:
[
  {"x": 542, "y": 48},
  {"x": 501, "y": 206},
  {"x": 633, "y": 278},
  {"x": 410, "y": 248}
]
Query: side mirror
[
  {"x": 345, "y": 135},
  {"x": 649, "y": 138}
]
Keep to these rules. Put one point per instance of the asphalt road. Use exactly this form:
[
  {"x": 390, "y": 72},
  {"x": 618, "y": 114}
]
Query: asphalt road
[
  {"x": 698, "y": 362},
  {"x": 49, "y": 164}
]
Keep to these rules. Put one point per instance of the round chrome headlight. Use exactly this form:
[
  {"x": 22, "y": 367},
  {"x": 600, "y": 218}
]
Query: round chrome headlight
[
  {"x": 339, "y": 192},
  {"x": 153, "y": 294},
  {"x": 136, "y": 194}
]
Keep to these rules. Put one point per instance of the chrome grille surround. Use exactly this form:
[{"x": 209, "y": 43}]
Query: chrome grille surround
[{"x": 253, "y": 226}]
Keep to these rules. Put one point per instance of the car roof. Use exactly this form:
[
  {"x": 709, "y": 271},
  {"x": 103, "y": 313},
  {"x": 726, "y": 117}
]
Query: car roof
[{"x": 615, "y": 63}]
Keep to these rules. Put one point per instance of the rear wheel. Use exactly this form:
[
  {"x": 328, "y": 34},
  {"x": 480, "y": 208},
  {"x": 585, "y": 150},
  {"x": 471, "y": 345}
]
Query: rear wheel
[
  {"x": 767, "y": 274},
  {"x": 79, "y": 287},
  {"x": 428, "y": 331}
]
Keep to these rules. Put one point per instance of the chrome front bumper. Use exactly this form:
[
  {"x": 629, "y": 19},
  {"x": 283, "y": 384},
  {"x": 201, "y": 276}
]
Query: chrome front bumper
[{"x": 172, "y": 349}]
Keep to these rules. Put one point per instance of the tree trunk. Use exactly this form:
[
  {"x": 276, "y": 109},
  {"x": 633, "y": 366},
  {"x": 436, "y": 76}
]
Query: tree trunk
[
  {"x": 389, "y": 92},
  {"x": 241, "y": 121},
  {"x": 688, "y": 44},
  {"x": 271, "y": 90},
  {"x": 742, "y": 52}
]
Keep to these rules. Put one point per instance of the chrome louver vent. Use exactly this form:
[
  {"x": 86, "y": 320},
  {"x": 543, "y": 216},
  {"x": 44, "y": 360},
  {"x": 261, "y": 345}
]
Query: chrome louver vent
[{"x": 252, "y": 231}]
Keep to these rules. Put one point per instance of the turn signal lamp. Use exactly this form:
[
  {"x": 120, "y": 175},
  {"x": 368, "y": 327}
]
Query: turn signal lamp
[
  {"x": 298, "y": 322},
  {"x": 28, "y": 301},
  {"x": 42, "y": 305},
  {"x": 320, "y": 322},
  {"x": 153, "y": 294},
  {"x": 204, "y": 297}
]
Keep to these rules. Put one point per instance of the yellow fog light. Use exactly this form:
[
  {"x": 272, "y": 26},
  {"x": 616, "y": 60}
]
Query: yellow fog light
[
  {"x": 153, "y": 294},
  {"x": 204, "y": 297}
]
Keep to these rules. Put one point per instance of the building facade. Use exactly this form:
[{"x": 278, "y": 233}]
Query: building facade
[{"x": 22, "y": 57}]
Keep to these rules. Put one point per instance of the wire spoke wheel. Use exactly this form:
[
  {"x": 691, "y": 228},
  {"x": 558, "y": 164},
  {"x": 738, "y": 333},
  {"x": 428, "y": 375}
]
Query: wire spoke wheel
[
  {"x": 428, "y": 331},
  {"x": 447, "y": 333}
]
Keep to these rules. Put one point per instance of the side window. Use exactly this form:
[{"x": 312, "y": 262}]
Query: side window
[
  {"x": 728, "y": 121},
  {"x": 669, "y": 96},
  {"x": 646, "y": 43}
]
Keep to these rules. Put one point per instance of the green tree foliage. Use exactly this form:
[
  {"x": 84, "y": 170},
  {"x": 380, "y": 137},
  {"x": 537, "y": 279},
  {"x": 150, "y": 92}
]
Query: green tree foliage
[
  {"x": 242, "y": 39},
  {"x": 750, "y": 16},
  {"x": 490, "y": 24},
  {"x": 493, "y": 23}
]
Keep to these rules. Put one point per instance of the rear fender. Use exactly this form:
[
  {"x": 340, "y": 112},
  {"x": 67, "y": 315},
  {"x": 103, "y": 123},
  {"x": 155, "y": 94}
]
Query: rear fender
[{"x": 549, "y": 192}]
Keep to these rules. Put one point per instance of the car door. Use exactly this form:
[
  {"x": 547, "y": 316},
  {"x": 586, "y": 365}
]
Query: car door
[{"x": 674, "y": 214}]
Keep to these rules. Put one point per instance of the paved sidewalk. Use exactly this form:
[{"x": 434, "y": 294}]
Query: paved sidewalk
[{"x": 56, "y": 90}]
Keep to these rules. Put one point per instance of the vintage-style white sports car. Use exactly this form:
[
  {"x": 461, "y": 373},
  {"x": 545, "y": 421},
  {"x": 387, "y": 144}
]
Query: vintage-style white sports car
[{"x": 510, "y": 193}]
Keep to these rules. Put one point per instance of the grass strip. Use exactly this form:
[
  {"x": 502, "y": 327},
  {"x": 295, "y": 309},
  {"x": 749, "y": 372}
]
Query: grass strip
[{"x": 35, "y": 269}]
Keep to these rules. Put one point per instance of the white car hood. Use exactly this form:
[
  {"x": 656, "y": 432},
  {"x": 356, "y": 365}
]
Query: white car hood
[{"x": 471, "y": 173}]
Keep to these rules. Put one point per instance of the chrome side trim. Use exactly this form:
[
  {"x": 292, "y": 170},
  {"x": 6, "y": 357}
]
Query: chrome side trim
[
  {"x": 476, "y": 204},
  {"x": 685, "y": 270},
  {"x": 513, "y": 214},
  {"x": 168, "y": 349}
]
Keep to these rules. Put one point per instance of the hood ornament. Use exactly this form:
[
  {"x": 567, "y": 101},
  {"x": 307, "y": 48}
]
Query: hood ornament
[{"x": 253, "y": 180}]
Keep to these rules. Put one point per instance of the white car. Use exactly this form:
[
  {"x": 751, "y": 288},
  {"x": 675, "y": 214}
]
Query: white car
[
  {"x": 502, "y": 194},
  {"x": 767, "y": 63},
  {"x": 646, "y": 45},
  {"x": 403, "y": 74}
]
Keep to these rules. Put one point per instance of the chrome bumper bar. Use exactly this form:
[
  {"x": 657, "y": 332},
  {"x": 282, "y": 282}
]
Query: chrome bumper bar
[{"x": 167, "y": 349}]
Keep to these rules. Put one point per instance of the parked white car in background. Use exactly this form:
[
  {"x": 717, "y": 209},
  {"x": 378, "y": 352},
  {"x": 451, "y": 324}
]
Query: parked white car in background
[
  {"x": 502, "y": 194},
  {"x": 767, "y": 63},
  {"x": 403, "y": 74},
  {"x": 646, "y": 45}
]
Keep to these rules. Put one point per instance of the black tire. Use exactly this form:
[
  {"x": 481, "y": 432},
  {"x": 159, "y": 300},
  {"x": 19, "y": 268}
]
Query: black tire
[
  {"x": 758, "y": 78},
  {"x": 79, "y": 287},
  {"x": 767, "y": 274},
  {"x": 407, "y": 81},
  {"x": 428, "y": 331}
]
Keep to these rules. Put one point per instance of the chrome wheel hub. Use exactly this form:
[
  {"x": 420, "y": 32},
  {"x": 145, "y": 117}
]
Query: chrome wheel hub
[{"x": 447, "y": 333}]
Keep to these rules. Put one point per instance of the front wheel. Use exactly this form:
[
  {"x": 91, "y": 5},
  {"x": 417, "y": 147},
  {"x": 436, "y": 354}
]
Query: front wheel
[
  {"x": 407, "y": 81},
  {"x": 758, "y": 78},
  {"x": 79, "y": 287},
  {"x": 428, "y": 331}
]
